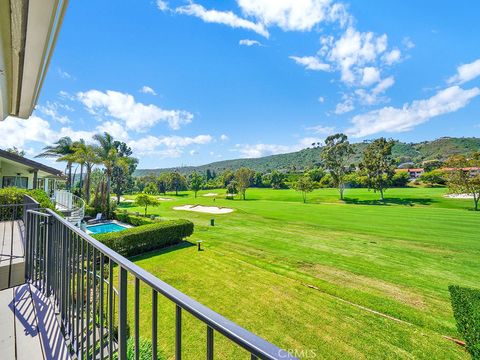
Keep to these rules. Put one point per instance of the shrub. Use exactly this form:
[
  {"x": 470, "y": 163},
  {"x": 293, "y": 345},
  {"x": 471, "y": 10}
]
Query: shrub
[
  {"x": 146, "y": 238},
  {"x": 133, "y": 219},
  {"x": 400, "y": 179},
  {"x": 12, "y": 195},
  {"x": 434, "y": 177},
  {"x": 466, "y": 310}
]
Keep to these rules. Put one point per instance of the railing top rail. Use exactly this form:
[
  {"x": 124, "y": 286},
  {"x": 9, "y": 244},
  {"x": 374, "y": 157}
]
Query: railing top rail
[{"x": 244, "y": 338}]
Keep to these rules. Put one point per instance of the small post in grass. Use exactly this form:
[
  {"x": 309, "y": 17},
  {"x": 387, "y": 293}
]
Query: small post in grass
[
  {"x": 212, "y": 222},
  {"x": 199, "y": 245}
]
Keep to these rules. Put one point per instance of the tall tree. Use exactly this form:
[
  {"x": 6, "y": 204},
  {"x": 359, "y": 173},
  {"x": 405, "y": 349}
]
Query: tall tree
[
  {"x": 243, "y": 178},
  {"x": 462, "y": 179},
  {"x": 378, "y": 165},
  {"x": 336, "y": 156},
  {"x": 107, "y": 153},
  {"x": 196, "y": 182},
  {"x": 64, "y": 146},
  {"x": 145, "y": 200},
  {"x": 304, "y": 184},
  {"x": 176, "y": 182},
  {"x": 123, "y": 169}
]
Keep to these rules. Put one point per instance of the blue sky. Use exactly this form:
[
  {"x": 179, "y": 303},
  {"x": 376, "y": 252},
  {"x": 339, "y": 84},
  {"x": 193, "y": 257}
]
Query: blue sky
[{"x": 187, "y": 83}]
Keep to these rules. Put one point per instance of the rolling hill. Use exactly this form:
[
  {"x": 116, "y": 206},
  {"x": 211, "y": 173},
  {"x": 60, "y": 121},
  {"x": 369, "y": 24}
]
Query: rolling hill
[{"x": 439, "y": 149}]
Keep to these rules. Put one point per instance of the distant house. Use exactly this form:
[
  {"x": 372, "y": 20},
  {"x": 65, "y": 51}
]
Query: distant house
[
  {"x": 413, "y": 173},
  {"x": 472, "y": 170},
  {"x": 21, "y": 172}
]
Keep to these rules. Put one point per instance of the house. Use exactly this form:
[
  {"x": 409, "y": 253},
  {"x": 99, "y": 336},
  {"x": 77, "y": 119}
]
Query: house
[
  {"x": 24, "y": 173},
  {"x": 413, "y": 173}
]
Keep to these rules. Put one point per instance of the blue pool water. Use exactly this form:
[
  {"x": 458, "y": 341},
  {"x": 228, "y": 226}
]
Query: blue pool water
[{"x": 105, "y": 228}]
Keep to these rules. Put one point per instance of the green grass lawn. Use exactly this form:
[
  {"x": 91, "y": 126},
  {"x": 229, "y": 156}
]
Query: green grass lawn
[{"x": 335, "y": 279}]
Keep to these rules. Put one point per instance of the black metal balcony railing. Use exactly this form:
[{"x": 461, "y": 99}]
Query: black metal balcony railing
[{"x": 77, "y": 272}]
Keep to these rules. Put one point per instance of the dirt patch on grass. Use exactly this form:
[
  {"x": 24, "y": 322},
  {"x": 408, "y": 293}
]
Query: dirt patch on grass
[
  {"x": 361, "y": 282},
  {"x": 204, "y": 209}
]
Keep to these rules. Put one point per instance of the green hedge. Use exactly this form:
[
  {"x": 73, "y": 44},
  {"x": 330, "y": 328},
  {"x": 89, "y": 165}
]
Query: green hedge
[
  {"x": 466, "y": 310},
  {"x": 133, "y": 219},
  {"x": 146, "y": 238},
  {"x": 12, "y": 195}
]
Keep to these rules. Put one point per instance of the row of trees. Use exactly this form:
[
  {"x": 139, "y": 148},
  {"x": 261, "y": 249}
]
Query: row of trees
[{"x": 114, "y": 157}]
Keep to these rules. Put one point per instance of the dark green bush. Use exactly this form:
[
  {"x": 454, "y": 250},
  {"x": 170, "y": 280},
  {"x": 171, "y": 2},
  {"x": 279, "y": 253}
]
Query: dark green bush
[
  {"x": 146, "y": 238},
  {"x": 133, "y": 219},
  {"x": 466, "y": 310}
]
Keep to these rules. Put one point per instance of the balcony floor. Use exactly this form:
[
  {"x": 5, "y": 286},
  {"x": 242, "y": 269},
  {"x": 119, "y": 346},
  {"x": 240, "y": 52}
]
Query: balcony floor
[
  {"x": 12, "y": 261},
  {"x": 28, "y": 326}
]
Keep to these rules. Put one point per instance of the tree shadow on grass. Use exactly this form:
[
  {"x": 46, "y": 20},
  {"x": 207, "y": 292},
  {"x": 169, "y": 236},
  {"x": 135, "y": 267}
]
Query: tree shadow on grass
[
  {"x": 390, "y": 201},
  {"x": 182, "y": 245}
]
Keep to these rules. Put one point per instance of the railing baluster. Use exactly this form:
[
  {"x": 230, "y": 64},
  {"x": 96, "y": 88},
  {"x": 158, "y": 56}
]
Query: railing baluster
[
  {"x": 122, "y": 314},
  {"x": 209, "y": 343},
  {"x": 102, "y": 284},
  {"x": 137, "y": 318},
  {"x": 178, "y": 332},
  {"x": 154, "y": 324},
  {"x": 110, "y": 308},
  {"x": 77, "y": 294},
  {"x": 82, "y": 325},
  {"x": 88, "y": 299},
  {"x": 94, "y": 302}
]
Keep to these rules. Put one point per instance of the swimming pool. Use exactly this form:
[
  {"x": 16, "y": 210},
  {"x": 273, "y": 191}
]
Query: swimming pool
[{"x": 105, "y": 228}]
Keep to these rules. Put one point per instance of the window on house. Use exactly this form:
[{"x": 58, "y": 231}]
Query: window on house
[{"x": 15, "y": 181}]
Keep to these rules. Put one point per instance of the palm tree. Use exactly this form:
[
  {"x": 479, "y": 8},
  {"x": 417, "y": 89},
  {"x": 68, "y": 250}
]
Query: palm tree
[
  {"x": 107, "y": 153},
  {"x": 59, "y": 149},
  {"x": 86, "y": 156}
]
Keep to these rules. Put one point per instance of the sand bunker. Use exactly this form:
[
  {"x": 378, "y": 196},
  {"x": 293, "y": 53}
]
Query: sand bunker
[
  {"x": 459, "y": 196},
  {"x": 204, "y": 209},
  {"x": 163, "y": 199},
  {"x": 210, "y": 194},
  {"x": 128, "y": 201}
]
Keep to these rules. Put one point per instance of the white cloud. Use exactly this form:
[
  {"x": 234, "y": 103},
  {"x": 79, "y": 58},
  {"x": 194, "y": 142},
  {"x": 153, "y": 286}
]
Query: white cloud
[
  {"x": 35, "y": 129},
  {"x": 390, "y": 119},
  {"x": 51, "y": 109},
  {"x": 162, "y": 5},
  {"x": 321, "y": 99},
  {"x": 115, "y": 129},
  {"x": 408, "y": 43},
  {"x": 224, "y": 137},
  {"x": 352, "y": 52},
  {"x": 248, "y": 42},
  {"x": 136, "y": 116},
  {"x": 294, "y": 15},
  {"x": 147, "y": 90},
  {"x": 371, "y": 75},
  {"x": 259, "y": 150},
  {"x": 374, "y": 95},
  {"x": 170, "y": 146},
  {"x": 322, "y": 130},
  {"x": 222, "y": 17},
  {"x": 63, "y": 74},
  {"x": 311, "y": 63},
  {"x": 392, "y": 57},
  {"x": 466, "y": 72},
  {"x": 193, "y": 152},
  {"x": 345, "y": 106}
]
